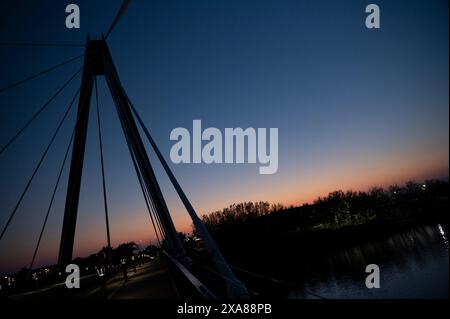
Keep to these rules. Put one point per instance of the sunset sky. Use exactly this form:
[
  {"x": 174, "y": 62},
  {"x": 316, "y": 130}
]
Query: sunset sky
[{"x": 355, "y": 108}]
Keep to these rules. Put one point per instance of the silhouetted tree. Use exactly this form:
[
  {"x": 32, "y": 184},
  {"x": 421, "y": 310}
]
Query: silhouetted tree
[{"x": 336, "y": 210}]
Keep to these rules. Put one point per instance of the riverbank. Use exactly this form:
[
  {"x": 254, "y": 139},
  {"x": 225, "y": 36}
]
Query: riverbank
[
  {"x": 296, "y": 258},
  {"x": 337, "y": 258}
]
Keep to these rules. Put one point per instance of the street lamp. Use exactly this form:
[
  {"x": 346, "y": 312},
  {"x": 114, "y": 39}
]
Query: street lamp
[{"x": 101, "y": 276}]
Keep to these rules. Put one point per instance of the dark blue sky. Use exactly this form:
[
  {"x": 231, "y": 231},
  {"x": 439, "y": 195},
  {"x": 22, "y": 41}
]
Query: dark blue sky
[{"x": 354, "y": 107}]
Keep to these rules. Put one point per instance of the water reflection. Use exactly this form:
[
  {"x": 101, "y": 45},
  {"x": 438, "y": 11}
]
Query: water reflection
[
  {"x": 413, "y": 264},
  {"x": 442, "y": 232}
]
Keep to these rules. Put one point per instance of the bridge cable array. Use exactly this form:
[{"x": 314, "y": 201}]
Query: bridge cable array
[
  {"x": 159, "y": 230},
  {"x": 35, "y": 115},
  {"x": 31, "y": 77},
  {"x": 146, "y": 193},
  {"x": 149, "y": 201},
  {"x": 105, "y": 201},
  {"x": 45, "y": 105},
  {"x": 51, "y": 200},
  {"x": 38, "y": 165},
  {"x": 41, "y": 44},
  {"x": 119, "y": 15}
]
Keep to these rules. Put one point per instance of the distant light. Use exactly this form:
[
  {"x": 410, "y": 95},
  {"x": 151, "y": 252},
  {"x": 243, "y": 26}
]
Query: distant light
[{"x": 442, "y": 232}]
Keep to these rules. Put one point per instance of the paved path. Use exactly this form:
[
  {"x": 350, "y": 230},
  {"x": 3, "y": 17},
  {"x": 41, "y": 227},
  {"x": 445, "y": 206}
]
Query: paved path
[{"x": 151, "y": 281}]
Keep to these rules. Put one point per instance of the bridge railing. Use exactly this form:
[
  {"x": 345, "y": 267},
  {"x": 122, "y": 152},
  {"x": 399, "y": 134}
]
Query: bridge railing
[{"x": 187, "y": 284}]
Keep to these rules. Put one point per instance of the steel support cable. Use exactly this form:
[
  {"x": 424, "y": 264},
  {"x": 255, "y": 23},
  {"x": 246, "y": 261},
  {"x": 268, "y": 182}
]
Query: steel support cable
[
  {"x": 277, "y": 281},
  {"x": 153, "y": 216},
  {"x": 31, "y": 77},
  {"x": 156, "y": 216},
  {"x": 232, "y": 282},
  {"x": 149, "y": 201},
  {"x": 155, "y": 190},
  {"x": 41, "y": 44},
  {"x": 273, "y": 280},
  {"x": 111, "y": 71},
  {"x": 176, "y": 240},
  {"x": 150, "y": 206},
  {"x": 145, "y": 191},
  {"x": 147, "y": 197},
  {"x": 156, "y": 150},
  {"x": 43, "y": 107},
  {"x": 152, "y": 210},
  {"x": 38, "y": 165},
  {"x": 119, "y": 15},
  {"x": 238, "y": 289},
  {"x": 105, "y": 201},
  {"x": 51, "y": 200}
]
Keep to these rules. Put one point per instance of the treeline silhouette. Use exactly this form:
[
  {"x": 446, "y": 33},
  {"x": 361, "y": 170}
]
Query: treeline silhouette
[{"x": 261, "y": 224}]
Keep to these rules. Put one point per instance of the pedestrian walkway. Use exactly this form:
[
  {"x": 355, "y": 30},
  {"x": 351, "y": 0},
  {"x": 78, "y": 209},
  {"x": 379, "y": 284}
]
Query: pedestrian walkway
[{"x": 151, "y": 281}]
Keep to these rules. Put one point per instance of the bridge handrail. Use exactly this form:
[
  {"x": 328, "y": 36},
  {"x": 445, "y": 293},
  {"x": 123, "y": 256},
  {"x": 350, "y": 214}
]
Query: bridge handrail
[{"x": 197, "y": 284}]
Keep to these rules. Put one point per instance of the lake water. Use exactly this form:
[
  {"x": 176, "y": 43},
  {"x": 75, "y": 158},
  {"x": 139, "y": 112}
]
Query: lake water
[{"x": 413, "y": 264}]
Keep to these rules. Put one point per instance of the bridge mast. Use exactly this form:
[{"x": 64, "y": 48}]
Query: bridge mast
[
  {"x": 137, "y": 149},
  {"x": 76, "y": 164},
  {"x": 98, "y": 61}
]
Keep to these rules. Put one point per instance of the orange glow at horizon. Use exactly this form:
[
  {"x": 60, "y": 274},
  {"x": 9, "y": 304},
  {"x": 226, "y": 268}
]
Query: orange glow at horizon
[{"x": 300, "y": 191}]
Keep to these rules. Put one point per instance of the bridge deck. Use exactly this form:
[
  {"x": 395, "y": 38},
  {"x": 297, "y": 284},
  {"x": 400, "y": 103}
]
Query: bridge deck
[{"x": 152, "y": 281}]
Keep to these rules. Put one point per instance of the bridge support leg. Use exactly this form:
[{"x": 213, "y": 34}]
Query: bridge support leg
[
  {"x": 98, "y": 61},
  {"x": 76, "y": 164}
]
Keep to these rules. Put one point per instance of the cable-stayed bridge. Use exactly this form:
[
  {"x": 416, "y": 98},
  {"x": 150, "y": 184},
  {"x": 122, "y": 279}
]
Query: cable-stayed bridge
[{"x": 174, "y": 261}]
